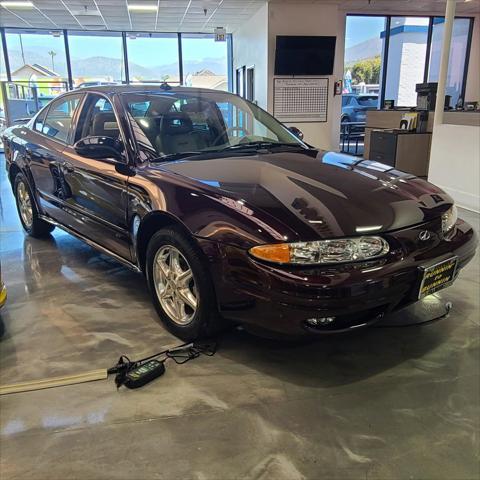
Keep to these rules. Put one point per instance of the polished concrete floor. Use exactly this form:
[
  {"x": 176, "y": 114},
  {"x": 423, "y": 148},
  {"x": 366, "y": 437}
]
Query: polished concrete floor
[{"x": 387, "y": 403}]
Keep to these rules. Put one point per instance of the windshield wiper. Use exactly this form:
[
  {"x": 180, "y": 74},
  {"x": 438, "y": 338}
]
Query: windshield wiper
[
  {"x": 175, "y": 156},
  {"x": 259, "y": 145}
]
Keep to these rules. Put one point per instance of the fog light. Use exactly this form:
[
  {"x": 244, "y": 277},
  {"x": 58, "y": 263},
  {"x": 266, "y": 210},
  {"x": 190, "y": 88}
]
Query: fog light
[{"x": 322, "y": 321}]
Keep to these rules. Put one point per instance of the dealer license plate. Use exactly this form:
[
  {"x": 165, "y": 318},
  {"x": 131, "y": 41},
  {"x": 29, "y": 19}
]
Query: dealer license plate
[{"x": 437, "y": 276}]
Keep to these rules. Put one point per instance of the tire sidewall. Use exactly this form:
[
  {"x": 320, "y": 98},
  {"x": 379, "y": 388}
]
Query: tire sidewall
[
  {"x": 198, "y": 327},
  {"x": 21, "y": 178}
]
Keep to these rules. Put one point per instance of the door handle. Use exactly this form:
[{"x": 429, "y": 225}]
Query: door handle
[{"x": 69, "y": 168}]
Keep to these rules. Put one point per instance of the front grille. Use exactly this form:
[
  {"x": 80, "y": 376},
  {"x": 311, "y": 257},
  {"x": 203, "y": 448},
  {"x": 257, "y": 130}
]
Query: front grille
[{"x": 410, "y": 239}]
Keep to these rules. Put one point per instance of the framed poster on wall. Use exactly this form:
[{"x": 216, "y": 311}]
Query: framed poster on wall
[{"x": 300, "y": 99}]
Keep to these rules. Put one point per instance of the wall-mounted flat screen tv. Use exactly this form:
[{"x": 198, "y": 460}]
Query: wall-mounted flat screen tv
[{"x": 304, "y": 55}]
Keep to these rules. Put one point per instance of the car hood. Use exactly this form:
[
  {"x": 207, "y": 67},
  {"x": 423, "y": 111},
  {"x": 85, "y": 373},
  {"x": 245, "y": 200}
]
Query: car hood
[{"x": 319, "y": 194}]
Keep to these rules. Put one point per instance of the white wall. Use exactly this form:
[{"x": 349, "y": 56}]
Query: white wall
[
  {"x": 310, "y": 19},
  {"x": 250, "y": 48},
  {"x": 455, "y": 163}
]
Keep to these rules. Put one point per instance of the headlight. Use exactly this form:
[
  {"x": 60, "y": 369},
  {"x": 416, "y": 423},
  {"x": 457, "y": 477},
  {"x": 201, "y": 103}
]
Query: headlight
[
  {"x": 323, "y": 251},
  {"x": 449, "y": 219}
]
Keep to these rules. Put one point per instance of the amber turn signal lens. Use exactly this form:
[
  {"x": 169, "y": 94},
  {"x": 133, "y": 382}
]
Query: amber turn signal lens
[{"x": 279, "y": 253}]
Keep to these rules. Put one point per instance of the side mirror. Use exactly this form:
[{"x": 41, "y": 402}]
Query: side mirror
[
  {"x": 297, "y": 132},
  {"x": 99, "y": 148}
]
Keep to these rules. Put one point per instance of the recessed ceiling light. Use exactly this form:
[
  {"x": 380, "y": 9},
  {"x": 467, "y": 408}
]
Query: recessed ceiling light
[
  {"x": 142, "y": 7},
  {"x": 16, "y": 4}
]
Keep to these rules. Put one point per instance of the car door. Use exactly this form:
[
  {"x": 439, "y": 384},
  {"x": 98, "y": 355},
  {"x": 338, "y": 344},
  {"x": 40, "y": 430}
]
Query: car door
[
  {"x": 44, "y": 153},
  {"x": 97, "y": 198}
]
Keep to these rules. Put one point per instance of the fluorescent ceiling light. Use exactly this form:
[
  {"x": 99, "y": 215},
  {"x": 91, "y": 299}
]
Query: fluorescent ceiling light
[
  {"x": 16, "y": 4},
  {"x": 142, "y": 7}
]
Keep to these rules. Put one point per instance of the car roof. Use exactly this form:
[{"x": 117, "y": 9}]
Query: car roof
[{"x": 144, "y": 89}]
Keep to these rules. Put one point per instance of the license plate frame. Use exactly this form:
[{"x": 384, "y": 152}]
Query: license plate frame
[{"x": 445, "y": 277}]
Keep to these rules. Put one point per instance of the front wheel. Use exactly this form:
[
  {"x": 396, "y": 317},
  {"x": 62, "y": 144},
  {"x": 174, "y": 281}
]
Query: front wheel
[
  {"x": 27, "y": 211},
  {"x": 181, "y": 286}
]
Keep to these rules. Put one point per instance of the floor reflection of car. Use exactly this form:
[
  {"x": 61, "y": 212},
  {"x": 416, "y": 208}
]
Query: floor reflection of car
[
  {"x": 355, "y": 107},
  {"x": 229, "y": 214}
]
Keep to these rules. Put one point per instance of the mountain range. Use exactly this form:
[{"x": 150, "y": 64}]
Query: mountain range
[
  {"x": 361, "y": 51},
  {"x": 100, "y": 66}
]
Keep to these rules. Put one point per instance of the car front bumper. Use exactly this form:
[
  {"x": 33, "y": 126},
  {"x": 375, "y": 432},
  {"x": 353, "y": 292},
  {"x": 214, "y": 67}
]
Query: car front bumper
[{"x": 283, "y": 298}]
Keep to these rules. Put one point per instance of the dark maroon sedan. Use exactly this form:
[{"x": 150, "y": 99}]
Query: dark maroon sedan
[{"x": 229, "y": 214}]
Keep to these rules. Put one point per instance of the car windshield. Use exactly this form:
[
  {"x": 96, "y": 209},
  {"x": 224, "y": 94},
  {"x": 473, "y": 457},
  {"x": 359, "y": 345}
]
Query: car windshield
[
  {"x": 368, "y": 101},
  {"x": 172, "y": 123}
]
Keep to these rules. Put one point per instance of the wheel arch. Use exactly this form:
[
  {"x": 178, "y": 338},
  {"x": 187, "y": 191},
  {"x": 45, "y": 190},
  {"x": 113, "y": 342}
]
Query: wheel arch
[
  {"x": 13, "y": 171},
  {"x": 149, "y": 225}
]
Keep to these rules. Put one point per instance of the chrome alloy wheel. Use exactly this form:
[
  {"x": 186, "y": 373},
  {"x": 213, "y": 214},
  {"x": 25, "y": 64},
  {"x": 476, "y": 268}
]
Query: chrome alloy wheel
[
  {"x": 175, "y": 285},
  {"x": 24, "y": 204}
]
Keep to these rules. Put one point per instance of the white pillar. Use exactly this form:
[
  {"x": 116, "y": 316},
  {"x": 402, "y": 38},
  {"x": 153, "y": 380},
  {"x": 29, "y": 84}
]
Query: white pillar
[{"x": 442, "y": 76}]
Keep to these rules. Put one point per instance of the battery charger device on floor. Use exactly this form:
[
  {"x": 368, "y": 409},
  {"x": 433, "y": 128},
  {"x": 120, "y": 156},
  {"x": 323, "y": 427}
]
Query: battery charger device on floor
[{"x": 135, "y": 374}]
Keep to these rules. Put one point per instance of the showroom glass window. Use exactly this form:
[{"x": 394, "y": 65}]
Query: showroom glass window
[
  {"x": 36, "y": 55},
  {"x": 37, "y": 64},
  {"x": 96, "y": 57},
  {"x": 205, "y": 62},
  {"x": 163, "y": 66},
  {"x": 406, "y": 59},
  {"x": 364, "y": 56},
  {"x": 458, "y": 52}
]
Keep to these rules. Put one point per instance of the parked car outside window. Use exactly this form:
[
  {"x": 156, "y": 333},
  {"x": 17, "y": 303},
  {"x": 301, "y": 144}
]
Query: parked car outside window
[{"x": 355, "y": 107}]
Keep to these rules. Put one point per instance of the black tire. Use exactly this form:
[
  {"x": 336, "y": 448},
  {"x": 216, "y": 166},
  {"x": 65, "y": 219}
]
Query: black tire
[
  {"x": 345, "y": 119},
  {"x": 37, "y": 228},
  {"x": 206, "y": 320}
]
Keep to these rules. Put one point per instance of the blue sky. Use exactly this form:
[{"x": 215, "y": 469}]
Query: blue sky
[{"x": 359, "y": 29}]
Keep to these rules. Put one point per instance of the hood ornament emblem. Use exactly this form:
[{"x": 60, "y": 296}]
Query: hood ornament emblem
[{"x": 424, "y": 235}]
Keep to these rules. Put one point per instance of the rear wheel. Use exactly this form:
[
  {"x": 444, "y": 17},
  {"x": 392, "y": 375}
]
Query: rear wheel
[
  {"x": 181, "y": 286},
  {"x": 27, "y": 211}
]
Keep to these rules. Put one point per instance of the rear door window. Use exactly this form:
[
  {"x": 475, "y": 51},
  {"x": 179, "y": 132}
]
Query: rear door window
[{"x": 60, "y": 116}]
